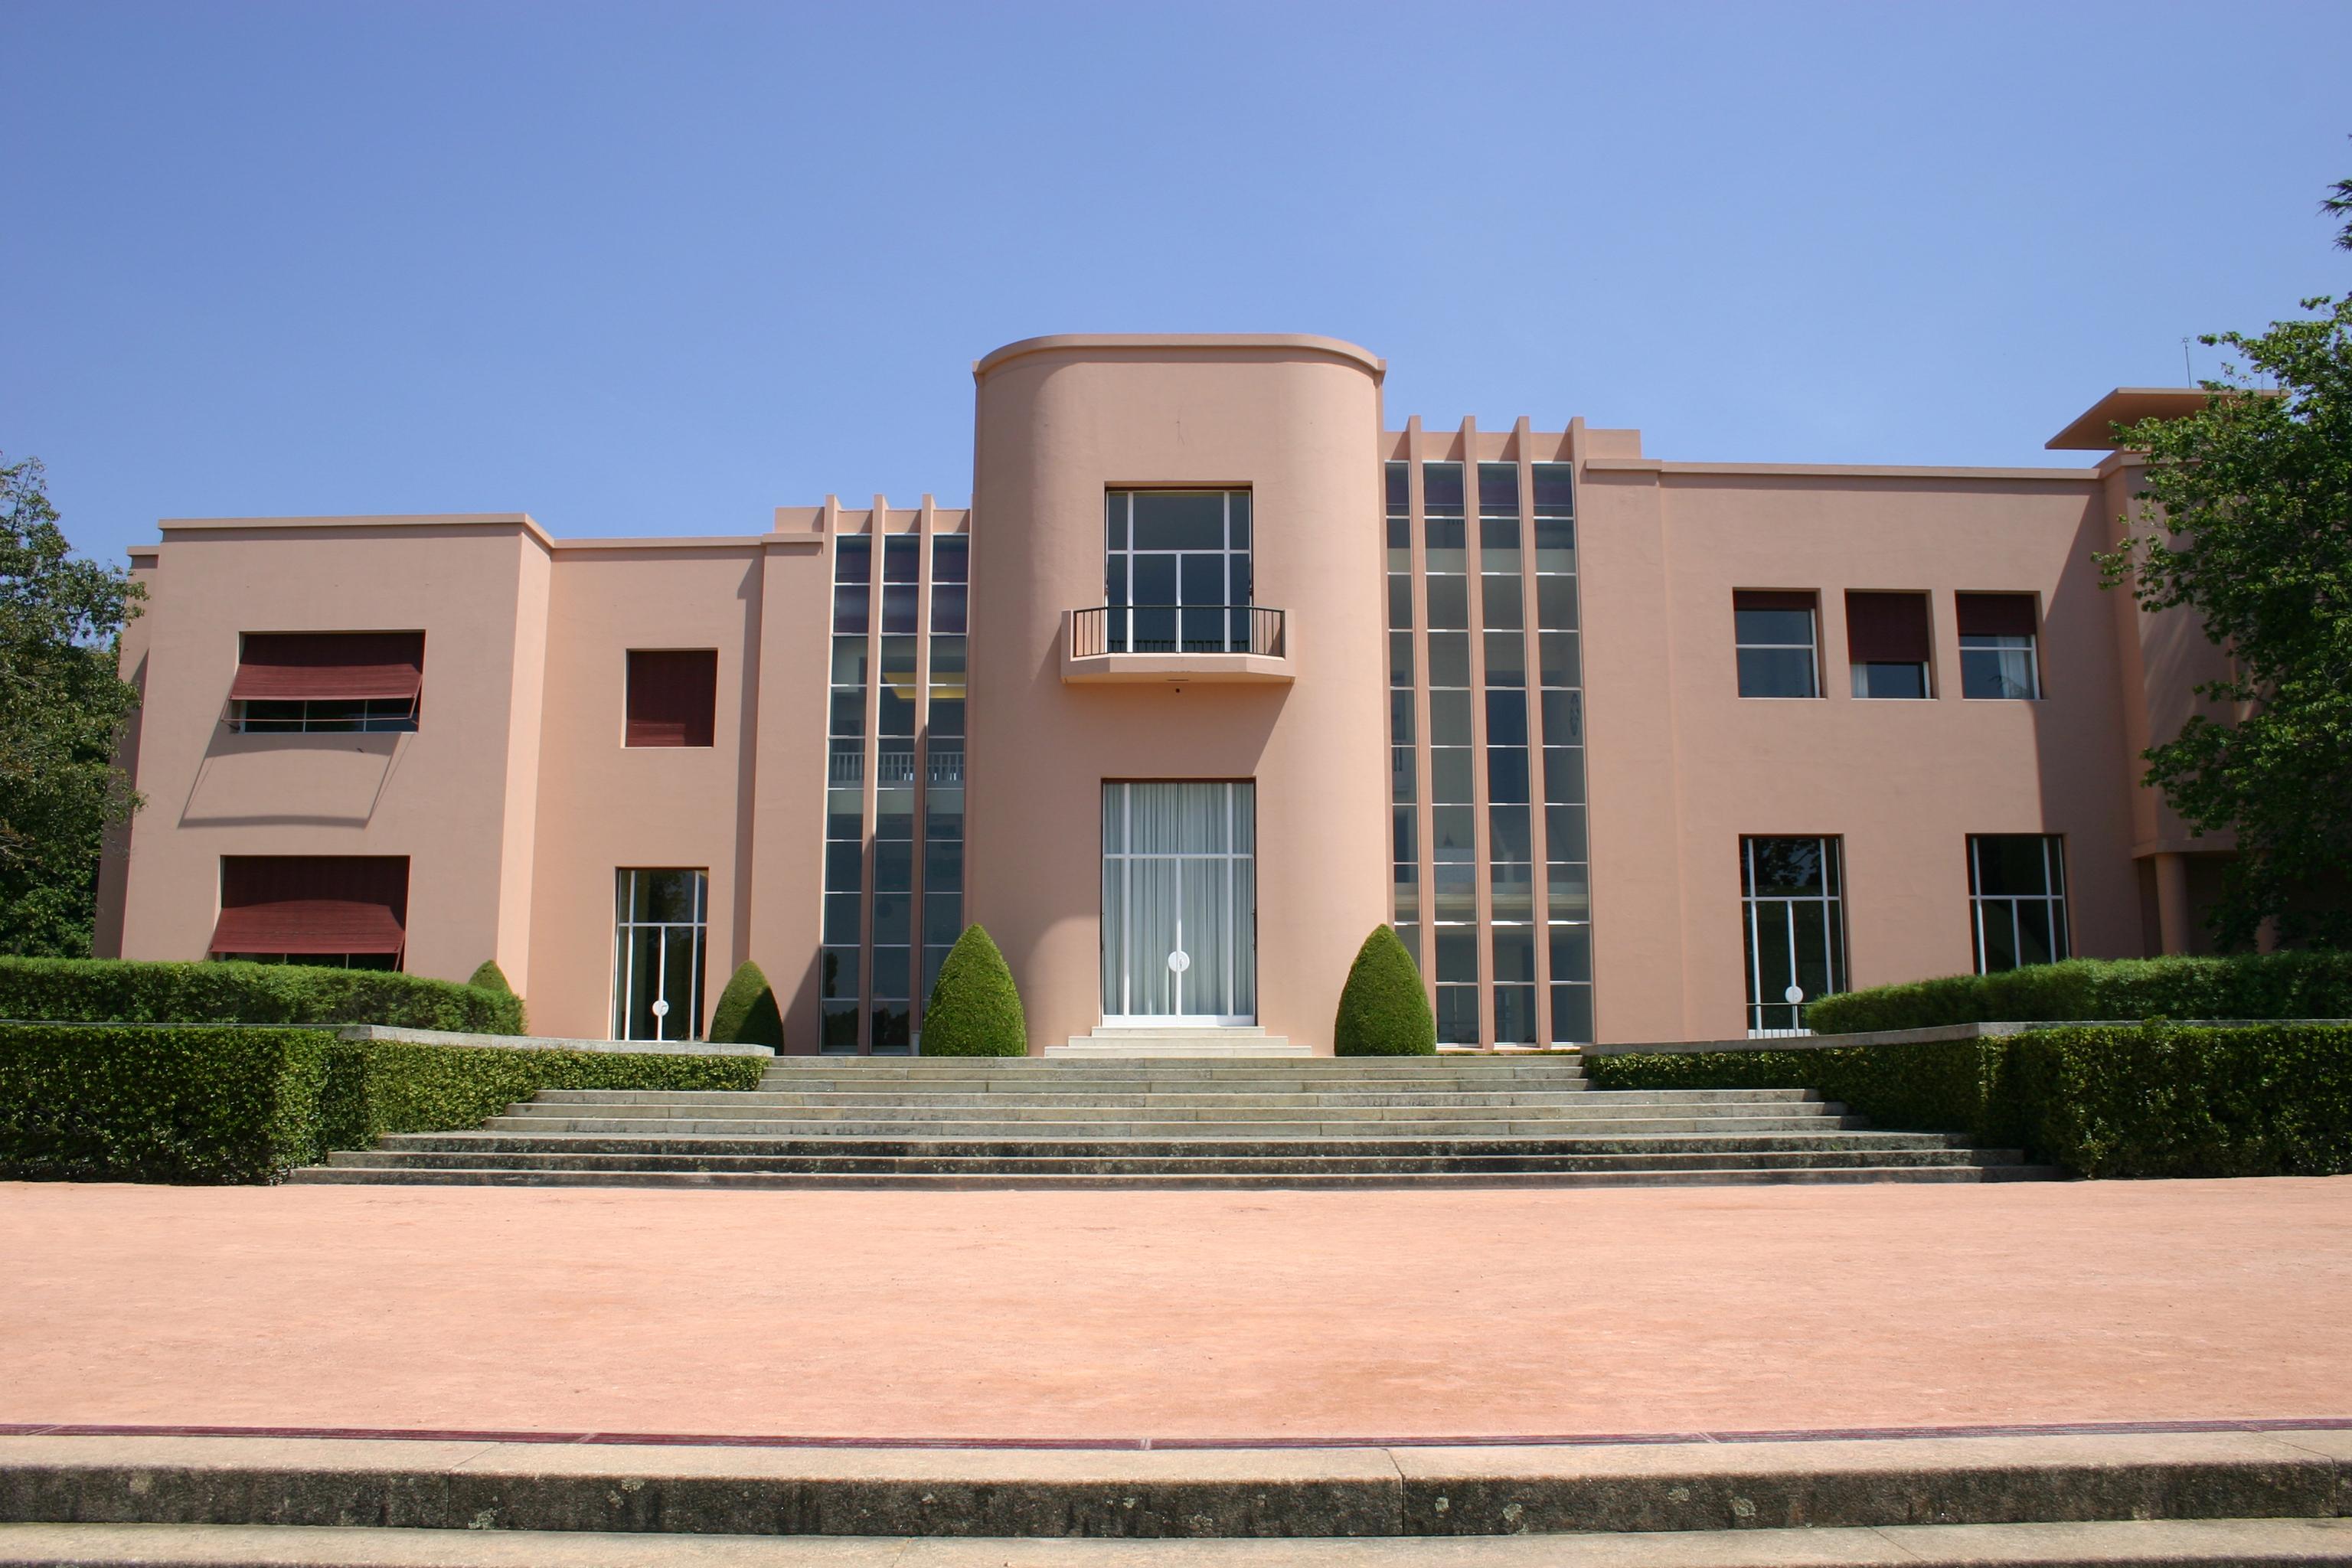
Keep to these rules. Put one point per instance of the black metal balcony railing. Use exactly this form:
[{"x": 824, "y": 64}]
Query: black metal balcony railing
[{"x": 1176, "y": 628}]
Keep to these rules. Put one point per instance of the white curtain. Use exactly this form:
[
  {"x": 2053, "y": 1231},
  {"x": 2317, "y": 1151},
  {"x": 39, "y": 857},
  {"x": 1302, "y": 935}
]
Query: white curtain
[{"x": 1178, "y": 853}]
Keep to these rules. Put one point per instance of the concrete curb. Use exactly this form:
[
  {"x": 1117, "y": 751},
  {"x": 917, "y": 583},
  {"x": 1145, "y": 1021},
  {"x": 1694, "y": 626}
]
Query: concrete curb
[{"x": 1280, "y": 1493}]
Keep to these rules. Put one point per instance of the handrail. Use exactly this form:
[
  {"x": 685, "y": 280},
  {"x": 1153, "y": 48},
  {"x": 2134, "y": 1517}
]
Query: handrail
[{"x": 1176, "y": 628}]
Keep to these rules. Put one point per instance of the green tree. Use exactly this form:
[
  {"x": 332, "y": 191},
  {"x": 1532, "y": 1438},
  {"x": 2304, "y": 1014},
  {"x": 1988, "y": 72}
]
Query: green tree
[
  {"x": 747, "y": 1012},
  {"x": 2246, "y": 520},
  {"x": 488, "y": 977},
  {"x": 975, "y": 1008},
  {"x": 62, "y": 704},
  {"x": 1384, "y": 1011}
]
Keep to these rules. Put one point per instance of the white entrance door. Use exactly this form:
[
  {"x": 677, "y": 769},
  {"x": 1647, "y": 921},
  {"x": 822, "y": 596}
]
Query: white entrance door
[{"x": 1180, "y": 903}]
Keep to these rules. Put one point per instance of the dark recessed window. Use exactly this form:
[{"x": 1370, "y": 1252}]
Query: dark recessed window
[
  {"x": 1775, "y": 635},
  {"x": 2001, "y": 654},
  {"x": 1886, "y": 643},
  {"x": 2017, "y": 893},
  {"x": 673, "y": 696}
]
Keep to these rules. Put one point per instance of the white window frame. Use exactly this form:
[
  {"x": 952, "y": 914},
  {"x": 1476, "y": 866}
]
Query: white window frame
[
  {"x": 2003, "y": 642},
  {"x": 1120, "y": 629},
  {"x": 1812, "y": 647},
  {"x": 2053, "y": 882},
  {"x": 625, "y": 950},
  {"x": 1830, "y": 902}
]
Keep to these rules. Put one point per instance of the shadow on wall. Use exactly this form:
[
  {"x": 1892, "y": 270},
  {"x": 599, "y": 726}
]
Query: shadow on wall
[{"x": 349, "y": 769}]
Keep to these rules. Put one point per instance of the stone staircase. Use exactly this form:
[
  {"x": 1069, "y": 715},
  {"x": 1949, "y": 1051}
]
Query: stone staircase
[
  {"x": 1131, "y": 1041},
  {"x": 1215, "y": 1123}
]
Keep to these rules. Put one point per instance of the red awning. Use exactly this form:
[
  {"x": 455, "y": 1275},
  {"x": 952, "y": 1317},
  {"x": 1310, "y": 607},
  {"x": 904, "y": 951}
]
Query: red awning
[
  {"x": 308, "y": 925},
  {"x": 312, "y": 903},
  {"x": 330, "y": 666}
]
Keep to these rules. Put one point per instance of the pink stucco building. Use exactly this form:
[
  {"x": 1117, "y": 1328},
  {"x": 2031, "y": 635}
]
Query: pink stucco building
[{"x": 1219, "y": 671}]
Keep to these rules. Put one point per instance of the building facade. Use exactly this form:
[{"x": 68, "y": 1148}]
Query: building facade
[{"x": 1216, "y": 673}]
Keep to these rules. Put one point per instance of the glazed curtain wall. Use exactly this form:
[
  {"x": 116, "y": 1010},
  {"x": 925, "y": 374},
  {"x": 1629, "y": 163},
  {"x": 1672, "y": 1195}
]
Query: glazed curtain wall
[
  {"x": 1492, "y": 893},
  {"x": 894, "y": 798}
]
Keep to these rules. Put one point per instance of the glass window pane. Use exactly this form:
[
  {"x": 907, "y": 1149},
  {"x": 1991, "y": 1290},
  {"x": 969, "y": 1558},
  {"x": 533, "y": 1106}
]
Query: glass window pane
[
  {"x": 838, "y": 975},
  {"x": 1449, "y": 774},
  {"x": 901, "y": 558},
  {"x": 1441, "y": 487},
  {"x": 942, "y": 918},
  {"x": 842, "y": 911},
  {"x": 1401, "y": 717},
  {"x": 1180, "y": 520},
  {"x": 1401, "y": 659},
  {"x": 850, "y": 603},
  {"x": 1441, "y": 547},
  {"x": 2011, "y": 864},
  {"x": 1399, "y": 601},
  {"x": 1457, "y": 892},
  {"x": 1499, "y": 545},
  {"x": 1511, "y": 892},
  {"x": 1401, "y": 774},
  {"x": 1500, "y": 603},
  {"x": 1402, "y": 828},
  {"x": 951, "y": 558},
  {"x": 1555, "y": 545},
  {"x": 839, "y": 1027},
  {"x": 1773, "y": 626},
  {"x": 1563, "y": 717},
  {"x": 1449, "y": 659},
  {"x": 1564, "y": 832},
  {"x": 1564, "y": 775},
  {"x": 1515, "y": 1014},
  {"x": 1561, "y": 663},
  {"x": 1457, "y": 956},
  {"x": 853, "y": 558},
  {"x": 1498, "y": 488},
  {"x": 1571, "y": 953},
  {"x": 1408, "y": 895},
  {"x": 845, "y": 866},
  {"x": 1457, "y": 1015},
  {"x": 1449, "y": 718},
  {"x": 898, "y": 608},
  {"x": 1506, "y": 659},
  {"x": 1449, "y": 603},
  {"x": 1507, "y": 719},
  {"x": 1775, "y": 672},
  {"x": 1506, "y": 773},
  {"x": 1510, "y": 834},
  {"x": 1571, "y": 1013},
  {"x": 1452, "y": 830},
  {"x": 1556, "y": 604},
  {"x": 894, "y": 867},
  {"x": 894, "y": 918},
  {"x": 948, "y": 603},
  {"x": 1568, "y": 892}
]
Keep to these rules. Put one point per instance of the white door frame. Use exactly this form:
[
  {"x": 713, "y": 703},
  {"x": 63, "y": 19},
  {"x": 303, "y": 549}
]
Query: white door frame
[{"x": 1240, "y": 927}]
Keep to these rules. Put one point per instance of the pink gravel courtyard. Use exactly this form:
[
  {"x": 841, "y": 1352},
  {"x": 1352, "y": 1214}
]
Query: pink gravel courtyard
[{"x": 1205, "y": 1315}]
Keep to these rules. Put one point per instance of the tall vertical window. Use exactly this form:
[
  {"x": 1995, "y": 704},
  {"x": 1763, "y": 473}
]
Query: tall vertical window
[
  {"x": 1793, "y": 905},
  {"x": 1454, "y": 809},
  {"x": 1176, "y": 571},
  {"x": 890, "y": 982},
  {"x": 2017, "y": 898},
  {"x": 1886, "y": 643},
  {"x": 1510, "y": 841},
  {"x": 942, "y": 916},
  {"x": 1405, "y": 848},
  {"x": 657, "y": 954},
  {"x": 1776, "y": 635},
  {"x": 2001, "y": 654},
  {"x": 901, "y": 580},
  {"x": 1559, "y": 670},
  {"x": 840, "y": 961}
]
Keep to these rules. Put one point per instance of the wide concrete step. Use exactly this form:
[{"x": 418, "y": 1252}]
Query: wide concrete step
[
  {"x": 1726, "y": 1158},
  {"x": 2149, "y": 1543},
  {"x": 1240, "y": 1098},
  {"x": 1091, "y": 1148},
  {"x": 1710, "y": 1176},
  {"x": 1290, "y": 1076},
  {"x": 1181, "y": 1108},
  {"x": 910, "y": 1127}
]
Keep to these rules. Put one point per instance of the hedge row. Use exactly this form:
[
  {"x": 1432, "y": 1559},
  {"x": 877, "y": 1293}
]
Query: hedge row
[
  {"x": 2151, "y": 1099},
  {"x": 2256, "y": 986},
  {"x": 121, "y": 991},
  {"x": 211, "y": 1103}
]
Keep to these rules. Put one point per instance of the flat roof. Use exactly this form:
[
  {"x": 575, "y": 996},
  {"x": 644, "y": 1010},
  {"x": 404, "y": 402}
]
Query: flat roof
[
  {"x": 1207, "y": 342},
  {"x": 2093, "y": 430}
]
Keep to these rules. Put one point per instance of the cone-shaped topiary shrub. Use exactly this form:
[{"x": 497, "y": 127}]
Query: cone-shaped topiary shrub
[
  {"x": 1384, "y": 1011},
  {"x": 491, "y": 978},
  {"x": 747, "y": 1012},
  {"x": 976, "y": 1009}
]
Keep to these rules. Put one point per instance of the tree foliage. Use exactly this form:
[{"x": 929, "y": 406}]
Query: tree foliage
[
  {"x": 746, "y": 1013},
  {"x": 2245, "y": 519},
  {"x": 62, "y": 704},
  {"x": 1384, "y": 1011},
  {"x": 975, "y": 1008}
]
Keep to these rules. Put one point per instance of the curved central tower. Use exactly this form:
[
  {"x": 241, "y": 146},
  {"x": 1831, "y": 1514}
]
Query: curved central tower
[{"x": 1178, "y": 812}]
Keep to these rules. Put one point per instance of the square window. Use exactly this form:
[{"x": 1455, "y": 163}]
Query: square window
[{"x": 673, "y": 696}]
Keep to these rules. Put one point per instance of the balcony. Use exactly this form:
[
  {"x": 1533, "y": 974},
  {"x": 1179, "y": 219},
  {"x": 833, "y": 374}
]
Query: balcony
[{"x": 1176, "y": 644}]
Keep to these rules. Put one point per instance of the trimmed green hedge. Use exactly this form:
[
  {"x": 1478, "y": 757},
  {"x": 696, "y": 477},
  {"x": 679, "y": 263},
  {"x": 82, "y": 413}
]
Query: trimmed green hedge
[
  {"x": 1946, "y": 1087},
  {"x": 2254, "y": 985},
  {"x": 747, "y": 1012},
  {"x": 1383, "y": 1009},
  {"x": 385, "y": 1086},
  {"x": 200, "y": 1104},
  {"x": 974, "y": 1008},
  {"x": 2151, "y": 1099},
  {"x": 213, "y": 1103},
  {"x": 121, "y": 991}
]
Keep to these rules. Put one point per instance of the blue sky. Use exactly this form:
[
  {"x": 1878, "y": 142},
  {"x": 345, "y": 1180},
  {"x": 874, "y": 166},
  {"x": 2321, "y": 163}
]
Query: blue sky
[{"x": 659, "y": 269}]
